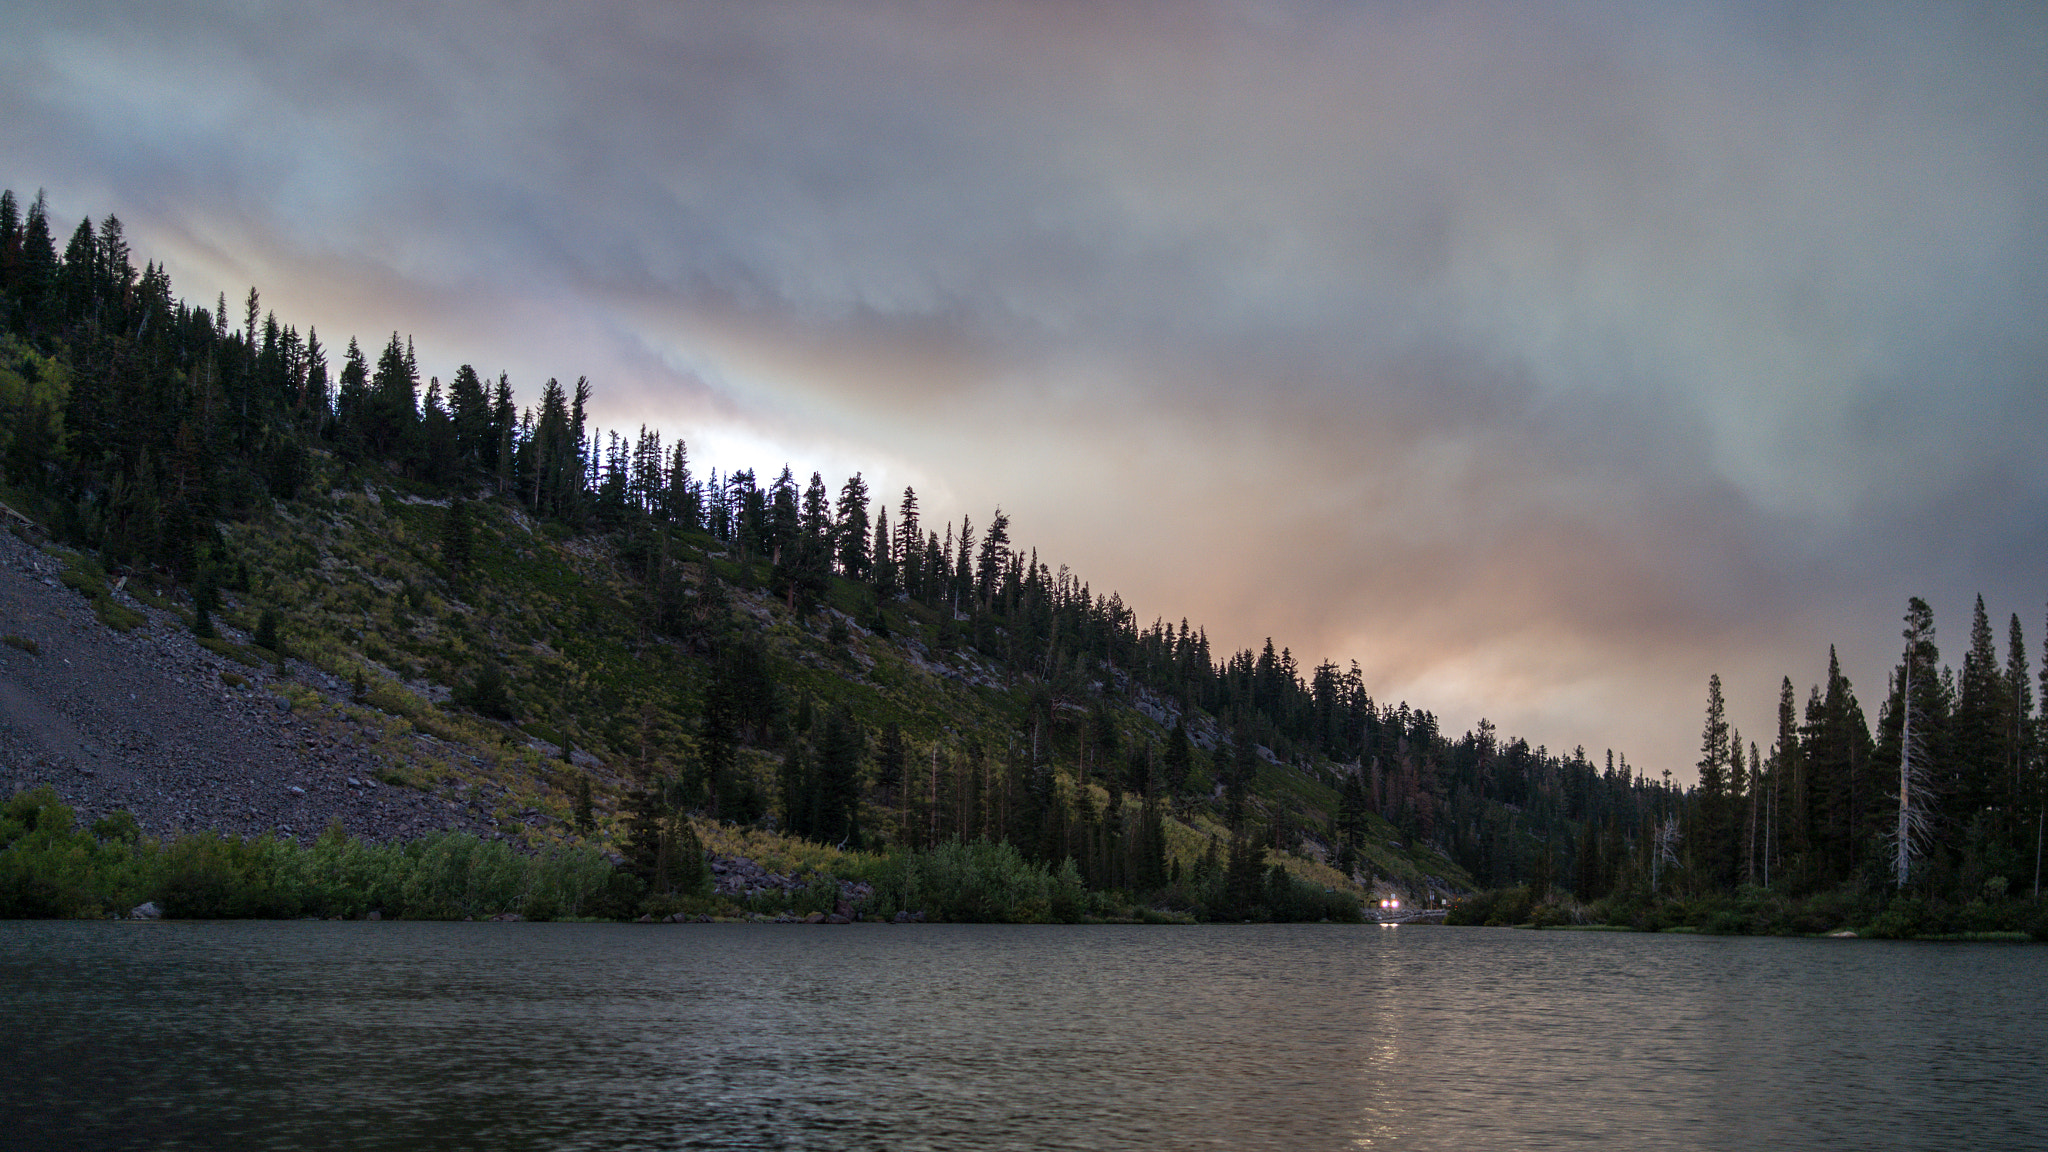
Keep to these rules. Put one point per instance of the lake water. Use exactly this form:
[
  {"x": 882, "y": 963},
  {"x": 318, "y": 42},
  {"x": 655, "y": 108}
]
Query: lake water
[{"x": 505, "y": 1036}]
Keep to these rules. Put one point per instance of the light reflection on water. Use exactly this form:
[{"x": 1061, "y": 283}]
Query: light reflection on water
[{"x": 945, "y": 1037}]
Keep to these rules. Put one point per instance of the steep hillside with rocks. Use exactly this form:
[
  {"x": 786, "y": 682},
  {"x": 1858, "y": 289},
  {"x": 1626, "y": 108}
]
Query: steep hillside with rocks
[{"x": 187, "y": 739}]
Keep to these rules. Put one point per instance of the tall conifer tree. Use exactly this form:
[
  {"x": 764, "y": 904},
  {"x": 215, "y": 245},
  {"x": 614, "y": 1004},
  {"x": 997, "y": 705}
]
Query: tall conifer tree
[{"x": 1709, "y": 837}]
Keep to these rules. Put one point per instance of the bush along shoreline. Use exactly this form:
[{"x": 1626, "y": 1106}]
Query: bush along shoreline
[
  {"x": 52, "y": 867},
  {"x": 1852, "y": 910}
]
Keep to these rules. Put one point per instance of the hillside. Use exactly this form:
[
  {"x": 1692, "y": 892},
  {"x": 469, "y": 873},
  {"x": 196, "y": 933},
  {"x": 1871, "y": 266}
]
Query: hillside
[
  {"x": 124, "y": 708},
  {"x": 506, "y": 610},
  {"x": 143, "y": 718}
]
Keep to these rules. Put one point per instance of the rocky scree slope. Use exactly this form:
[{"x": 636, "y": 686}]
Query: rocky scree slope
[{"x": 185, "y": 739}]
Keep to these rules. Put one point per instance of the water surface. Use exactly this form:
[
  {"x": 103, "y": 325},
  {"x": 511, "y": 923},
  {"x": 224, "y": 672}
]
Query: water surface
[{"x": 401, "y": 1035}]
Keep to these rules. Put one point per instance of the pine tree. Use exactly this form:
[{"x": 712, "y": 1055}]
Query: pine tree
[
  {"x": 1243, "y": 878},
  {"x": 1180, "y": 756},
  {"x": 502, "y": 455},
  {"x": 683, "y": 503},
  {"x": 1352, "y": 807},
  {"x": 841, "y": 747},
  {"x": 1975, "y": 744},
  {"x": 267, "y": 635},
  {"x": 909, "y": 539},
  {"x": 816, "y": 518},
  {"x": 37, "y": 275},
  {"x": 1754, "y": 827},
  {"x": 1738, "y": 793},
  {"x": 1244, "y": 765},
  {"x": 799, "y": 788},
  {"x": 392, "y": 411},
  {"x": 551, "y": 465},
  {"x": 1914, "y": 822},
  {"x": 456, "y": 539},
  {"x": 892, "y": 756},
  {"x": 2018, "y": 736},
  {"x": 662, "y": 849},
  {"x": 586, "y": 817},
  {"x": 887, "y": 576},
  {"x": 932, "y": 568},
  {"x": 1794, "y": 824},
  {"x": 469, "y": 408},
  {"x": 116, "y": 273},
  {"x": 785, "y": 517},
  {"x": 646, "y": 482},
  {"x": 10, "y": 244},
  {"x": 1148, "y": 873},
  {"x": 487, "y": 695},
  {"x": 960, "y": 575},
  {"x": 851, "y": 528},
  {"x": 1589, "y": 871},
  {"x": 1710, "y": 838},
  {"x": 352, "y": 401},
  {"x": 579, "y": 409},
  {"x": 995, "y": 551},
  {"x": 1845, "y": 781},
  {"x": 2040, "y": 769},
  {"x": 314, "y": 405},
  {"x": 78, "y": 272},
  {"x": 439, "y": 457}
]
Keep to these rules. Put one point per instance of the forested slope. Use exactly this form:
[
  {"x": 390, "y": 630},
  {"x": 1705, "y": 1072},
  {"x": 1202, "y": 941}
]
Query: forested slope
[{"x": 526, "y": 603}]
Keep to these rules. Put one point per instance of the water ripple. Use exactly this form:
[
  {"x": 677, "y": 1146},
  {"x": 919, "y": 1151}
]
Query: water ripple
[{"x": 428, "y": 1036}]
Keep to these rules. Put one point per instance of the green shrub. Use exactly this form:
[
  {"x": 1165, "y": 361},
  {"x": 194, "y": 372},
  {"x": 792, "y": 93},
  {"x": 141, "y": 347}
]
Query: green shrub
[
  {"x": 1724, "y": 922},
  {"x": 219, "y": 647},
  {"x": 487, "y": 695},
  {"x": 977, "y": 882},
  {"x": 1497, "y": 908},
  {"x": 1903, "y": 920},
  {"x": 48, "y": 868},
  {"x": 456, "y": 876},
  {"x": 1829, "y": 911},
  {"x": 22, "y": 642},
  {"x": 118, "y": 826},
  {"x": 400, "y": 777},
  {"x": 565, "y": 882},
  {"x": 210, "y": 877},
  {"x": 386, "y": 696},
  {"x": 338, "y": 876},
  {"x": 117, "y": 615},
  {"x": 84, "y": 576},
  {"x": 75, "y": 577}
]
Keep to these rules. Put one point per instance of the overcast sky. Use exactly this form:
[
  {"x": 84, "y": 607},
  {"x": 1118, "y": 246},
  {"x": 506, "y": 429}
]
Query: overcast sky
[{"x": 1543, "y": 359}]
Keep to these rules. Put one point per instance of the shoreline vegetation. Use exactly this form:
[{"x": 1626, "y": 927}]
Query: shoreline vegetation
[
  {"x": 52, "y": 868},
  {"x": 1849, "y": 911}
]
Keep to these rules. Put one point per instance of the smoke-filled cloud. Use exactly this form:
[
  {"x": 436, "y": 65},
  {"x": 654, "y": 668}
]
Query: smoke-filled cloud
[{"x": 1543, "y": 359}]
